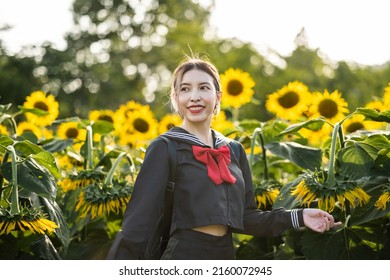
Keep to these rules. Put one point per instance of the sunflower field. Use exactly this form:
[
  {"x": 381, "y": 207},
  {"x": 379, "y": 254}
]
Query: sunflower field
[{"x": 65, "y": 183}]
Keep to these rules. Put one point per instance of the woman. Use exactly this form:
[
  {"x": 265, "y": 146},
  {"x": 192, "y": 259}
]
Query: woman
[{"x": 213, "y": 195}]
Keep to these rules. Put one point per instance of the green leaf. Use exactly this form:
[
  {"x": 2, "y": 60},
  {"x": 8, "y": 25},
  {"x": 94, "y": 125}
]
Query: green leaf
[
  {"x": 374, "y": 115},
  {"x": 57, "y": 145},
  {"x": 324, "y": 246},
  {"x": 102, "y": 127},
  {"x": 26, "y": 148},
  {"x": 32, "y": 177},
  {"x": 369, "y": 212},
  {"x": 285, "y": 199},
  {"x": 56, "y": 215},
  {"x": 5, "y": 107},
  {"x": 44, "y": 249},
  {"x": 303, "y": 156},
  {"x": 378, "y": 141},
  {"x": 4, "y": 117},
  {"x": 271, "y": 131},
  {"x": 47, "y": 160},
  {"x": 332, "y": 245},
  {"x": 357, "y": 160},
  {"x": 249, "y": 125},
  {"x": 314, "y": 124},
  {"x": 34, "y": 111},
  {"x": 5, "y": 141}
]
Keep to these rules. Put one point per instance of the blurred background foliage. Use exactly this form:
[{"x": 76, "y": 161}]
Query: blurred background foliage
[{"x": 122, "y": 50}]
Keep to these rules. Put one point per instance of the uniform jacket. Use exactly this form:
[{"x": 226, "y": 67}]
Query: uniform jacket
[{"x": 198, "y": 200}]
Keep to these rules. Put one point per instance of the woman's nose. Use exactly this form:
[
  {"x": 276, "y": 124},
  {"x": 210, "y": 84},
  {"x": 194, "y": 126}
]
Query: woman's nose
[{"x": 195, "y": 96}]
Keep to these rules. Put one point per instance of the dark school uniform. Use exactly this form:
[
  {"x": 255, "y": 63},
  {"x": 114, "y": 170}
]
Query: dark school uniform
[{"x": 213, "y": 186}]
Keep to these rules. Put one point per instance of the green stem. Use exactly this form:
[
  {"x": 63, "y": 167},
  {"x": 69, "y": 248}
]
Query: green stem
[
  {"x": 15, "y": 197},
  {"x": 5, "y": 159},
  {"x": 235, "y": 114},
  {"x": 256, "y": 132},
  {"x": 331, "y": 180},
  {"x": 111, "y": 173},
  {"x": 13, "y": 127},
  {"x": 341, "y": 136},
  {"x": 253, "y": 143},
  {"x": 89, "y": 148},
  {"x": 346, "y": 236},
  {"x": 264, "y": 154}
]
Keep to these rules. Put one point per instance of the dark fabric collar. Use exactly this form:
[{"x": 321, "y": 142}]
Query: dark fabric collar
[{"x": 182, "y": 135}]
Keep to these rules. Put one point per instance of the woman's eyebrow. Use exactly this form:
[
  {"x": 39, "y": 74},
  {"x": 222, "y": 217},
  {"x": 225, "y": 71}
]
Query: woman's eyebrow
[{"x": 201, "y": 83}]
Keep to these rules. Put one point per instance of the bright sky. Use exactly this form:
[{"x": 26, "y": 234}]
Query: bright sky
[{"x": 352, "y": 30}]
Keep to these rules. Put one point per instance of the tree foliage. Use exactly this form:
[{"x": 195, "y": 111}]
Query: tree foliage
[{"x": 120, "y": 50}]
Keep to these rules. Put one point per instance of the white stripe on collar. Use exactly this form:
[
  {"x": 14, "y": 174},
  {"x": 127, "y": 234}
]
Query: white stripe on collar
[{"x": 193, "y": 138}]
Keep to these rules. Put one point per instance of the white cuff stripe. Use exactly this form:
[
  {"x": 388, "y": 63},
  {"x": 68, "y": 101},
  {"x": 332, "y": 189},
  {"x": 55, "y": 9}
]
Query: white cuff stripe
[{"x": 294, "y": 218}]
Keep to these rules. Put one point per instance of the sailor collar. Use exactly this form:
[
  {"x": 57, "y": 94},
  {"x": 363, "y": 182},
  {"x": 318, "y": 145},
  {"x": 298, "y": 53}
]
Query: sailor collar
[{"x": 182, "y": 135}]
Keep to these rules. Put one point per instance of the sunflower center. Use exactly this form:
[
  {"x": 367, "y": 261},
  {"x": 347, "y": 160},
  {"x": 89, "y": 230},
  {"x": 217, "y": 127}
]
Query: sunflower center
[
  {"x": 141, "y": 125},
  {"x": 170, "y": 125},
  {"x": 289, "y": 100},
  {"x": 41, "y": 105},
  {"x": 328, "y": 108},
  {"x": 72, "y": 132},
  {"x": 354, "y": 127},
  {"x": 235, "y": 87},
  {"x": 106, "y": 118}
]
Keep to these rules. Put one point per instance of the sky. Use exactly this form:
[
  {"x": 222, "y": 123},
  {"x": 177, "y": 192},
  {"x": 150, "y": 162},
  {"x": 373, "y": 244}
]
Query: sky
[{"x": 349, "y": 30}]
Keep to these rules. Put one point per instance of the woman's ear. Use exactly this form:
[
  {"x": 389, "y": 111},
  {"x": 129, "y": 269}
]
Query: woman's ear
[
  {"x": 219, "y": 96},
  {"x": 217, "y": 107}
]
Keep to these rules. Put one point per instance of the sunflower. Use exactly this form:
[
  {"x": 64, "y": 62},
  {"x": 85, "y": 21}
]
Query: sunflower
[
  {"x": 3, "y": 130},
  {"x": 331, "y": 106},
  {"x": 317, "y": 137},
  {"x": 312, "y": 187},
  {"x": 128, "y": 139},
  {"x": 237, "y": 87},
  {"x": 386, "y": 96},
  {"x": 290, "y": 102},
  {"x": 167, "y": 122},
  {"x": 221, "y": 123},
  {"x": 28, "y": 219},
  {"x": 99, "y": 200},
  {"x": 357, "y": 122},
  {"x": 24, "y": 127},
  {"x": 142, "y": 124},
  {"x": 383, "y": 200},
  {"x": 67, "y": 162},
  {"x": 102, "y": 115},
  {"x": 46, "y": 103},
  {"x": 266, "y": 198},
  {"x": 121, "y": 114},
  {"x": 375, "y": 105},
  {"x": 81, "y": 179},
  {"x": 71, "y": 130}
]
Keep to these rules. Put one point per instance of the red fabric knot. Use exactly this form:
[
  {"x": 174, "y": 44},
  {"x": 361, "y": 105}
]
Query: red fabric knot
[{"x": 216, "y": 161}]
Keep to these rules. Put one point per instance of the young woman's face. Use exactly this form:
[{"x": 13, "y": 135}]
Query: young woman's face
[{"x": 196, "y": 97}]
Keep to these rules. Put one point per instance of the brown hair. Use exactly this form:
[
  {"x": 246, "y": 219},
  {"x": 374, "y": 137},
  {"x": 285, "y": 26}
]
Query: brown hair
[{"x": 190, "y": 63}]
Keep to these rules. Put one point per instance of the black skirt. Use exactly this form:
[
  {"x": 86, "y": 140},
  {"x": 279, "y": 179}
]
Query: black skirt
[{"x": 187, "y": 244}]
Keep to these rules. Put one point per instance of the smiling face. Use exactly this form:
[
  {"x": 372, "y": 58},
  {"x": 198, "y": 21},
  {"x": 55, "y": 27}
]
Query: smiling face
[{"x": 196, "y": 98}]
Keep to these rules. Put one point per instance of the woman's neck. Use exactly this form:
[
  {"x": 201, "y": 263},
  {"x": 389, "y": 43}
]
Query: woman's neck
[{"x": 202, "y": 132}]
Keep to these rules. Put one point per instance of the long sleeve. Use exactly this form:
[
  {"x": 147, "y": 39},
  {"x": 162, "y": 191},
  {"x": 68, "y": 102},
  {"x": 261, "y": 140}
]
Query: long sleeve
[
  {"x": 145, "y": 206},
  {"x": 264, "y": 223}
]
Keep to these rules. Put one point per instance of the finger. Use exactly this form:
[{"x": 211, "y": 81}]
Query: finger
[
  {"x": 337, "y": 224},
  {"x": 326, "y": 222}
]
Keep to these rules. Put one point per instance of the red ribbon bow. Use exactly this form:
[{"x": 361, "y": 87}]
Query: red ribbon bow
[{"x": 217, "y": 161}]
